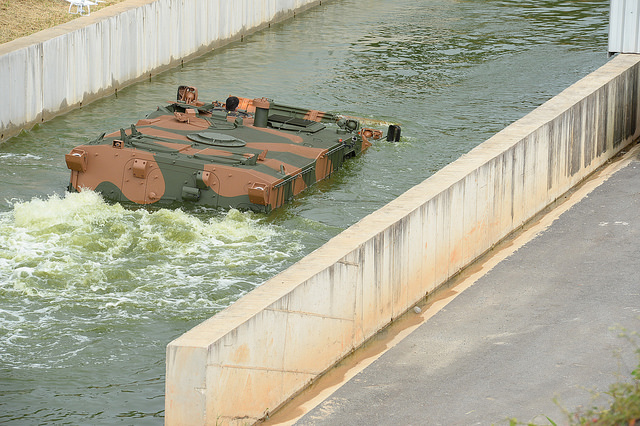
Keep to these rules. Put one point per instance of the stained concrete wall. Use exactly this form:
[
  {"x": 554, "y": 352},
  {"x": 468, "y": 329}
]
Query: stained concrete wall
[
  {"x": 72, "y": 64},
  {"x": 249, "y": 359}
]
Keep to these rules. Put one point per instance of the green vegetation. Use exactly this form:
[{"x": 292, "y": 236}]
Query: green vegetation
[
  {"x": 624, "y": 406},
  {"x": 20, "y": 18}
]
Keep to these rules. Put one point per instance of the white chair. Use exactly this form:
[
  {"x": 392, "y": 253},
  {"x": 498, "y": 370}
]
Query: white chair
[{"x": 80, "y": 5}]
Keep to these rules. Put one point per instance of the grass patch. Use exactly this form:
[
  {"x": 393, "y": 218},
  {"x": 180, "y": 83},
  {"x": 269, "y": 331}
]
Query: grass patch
[
  {"x": 20, "y": 18},
  {"x": 624, "y": 396}
]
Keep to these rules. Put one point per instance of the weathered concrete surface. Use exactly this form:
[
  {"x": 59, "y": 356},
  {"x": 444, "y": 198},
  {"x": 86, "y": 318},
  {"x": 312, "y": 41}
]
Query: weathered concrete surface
[
  {"x": 541, "y": 325},
  {"x": 61, "y": 68},
  {"x": 249, "y": 359}
]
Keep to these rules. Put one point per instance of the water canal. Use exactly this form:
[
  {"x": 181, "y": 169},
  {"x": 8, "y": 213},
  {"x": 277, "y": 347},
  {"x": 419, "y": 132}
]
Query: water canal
[{"x": 91, "y": 292}]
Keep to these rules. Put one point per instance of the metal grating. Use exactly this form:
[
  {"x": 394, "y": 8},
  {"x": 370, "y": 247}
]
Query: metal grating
[{"x": 624, "y": 26}]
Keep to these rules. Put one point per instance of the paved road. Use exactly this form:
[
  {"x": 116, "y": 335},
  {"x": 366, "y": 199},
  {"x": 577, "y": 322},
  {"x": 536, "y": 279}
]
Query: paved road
[{"x": 540, "y": 325}]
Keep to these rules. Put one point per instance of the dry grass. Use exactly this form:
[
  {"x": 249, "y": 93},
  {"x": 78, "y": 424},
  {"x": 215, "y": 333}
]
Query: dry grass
[{"x": 20, "y": 18}]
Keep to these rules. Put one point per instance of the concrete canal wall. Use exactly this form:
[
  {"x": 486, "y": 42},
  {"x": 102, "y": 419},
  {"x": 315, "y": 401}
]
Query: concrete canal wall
[
  {"x": 61, "y": 68},
  {"x": 249, "y": 359}
]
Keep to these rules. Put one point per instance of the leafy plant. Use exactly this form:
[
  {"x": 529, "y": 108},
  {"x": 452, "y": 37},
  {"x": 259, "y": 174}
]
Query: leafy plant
[
  {"x": 625, "y": 399},
  {"x": 624, "y": 408}
]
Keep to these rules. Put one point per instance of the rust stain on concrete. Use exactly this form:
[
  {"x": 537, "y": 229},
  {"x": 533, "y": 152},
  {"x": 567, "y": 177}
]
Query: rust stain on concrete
[
  {"x": 242, "y": 354},
  {"x": 387, "y": 338}
]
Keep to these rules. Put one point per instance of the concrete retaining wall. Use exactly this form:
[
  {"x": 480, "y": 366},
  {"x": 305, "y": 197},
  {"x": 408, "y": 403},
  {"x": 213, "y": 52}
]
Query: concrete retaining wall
[
  {"x": 72, "y": 64},
  {"x": 249, "y": 359}
]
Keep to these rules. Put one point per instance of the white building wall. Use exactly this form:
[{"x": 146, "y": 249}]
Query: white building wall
[{"x": 624, "y": 26}]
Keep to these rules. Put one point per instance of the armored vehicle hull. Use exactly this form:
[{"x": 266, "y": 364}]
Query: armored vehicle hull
[{"x": 255, "y": 156}]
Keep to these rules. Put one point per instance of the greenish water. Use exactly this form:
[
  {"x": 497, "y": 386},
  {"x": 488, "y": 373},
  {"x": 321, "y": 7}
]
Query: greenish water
[{"x": 91, "y": 292}]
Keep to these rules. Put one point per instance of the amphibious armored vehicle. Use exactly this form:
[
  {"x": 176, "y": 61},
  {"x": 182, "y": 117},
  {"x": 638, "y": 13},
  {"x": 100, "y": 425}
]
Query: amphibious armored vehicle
[{"x": 252, "y": 154}]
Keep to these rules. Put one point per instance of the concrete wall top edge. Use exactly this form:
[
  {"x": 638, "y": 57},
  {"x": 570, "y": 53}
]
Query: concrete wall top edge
[
  {"x": 271, "y": 291},
  {"x": 556, "y": 106},
  {"x": 216, "y": 327},
  {"x": 73, "y": 25},
  {"x": 274, "y": 289},
  {"x": 566, "y": 99},
  {"x": 358, "y": 234},
  {"x": 497, "y": 144}
]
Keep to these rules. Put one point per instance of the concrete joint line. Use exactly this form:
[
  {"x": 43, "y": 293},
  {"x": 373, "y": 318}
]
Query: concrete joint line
[
  {"x": 344, "y": 262},
  {"x": 311, "y": 314},
  {"x": 253, "y": 368}
]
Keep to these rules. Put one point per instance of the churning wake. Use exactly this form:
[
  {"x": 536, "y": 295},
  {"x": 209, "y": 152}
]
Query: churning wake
[{"x": 72, "y": 265}]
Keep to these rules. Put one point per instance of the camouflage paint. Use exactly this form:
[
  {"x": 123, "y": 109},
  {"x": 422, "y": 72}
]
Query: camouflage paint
[{"x": 201, "y": 153}]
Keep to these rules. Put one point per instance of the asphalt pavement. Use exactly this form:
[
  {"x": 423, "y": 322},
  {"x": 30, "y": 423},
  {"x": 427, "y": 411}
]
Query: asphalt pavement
[{"x": 535, "y": 336}]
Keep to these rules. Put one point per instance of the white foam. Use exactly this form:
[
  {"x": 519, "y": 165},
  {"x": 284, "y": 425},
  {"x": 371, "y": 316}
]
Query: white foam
[{"x": 71, "y": 263}]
